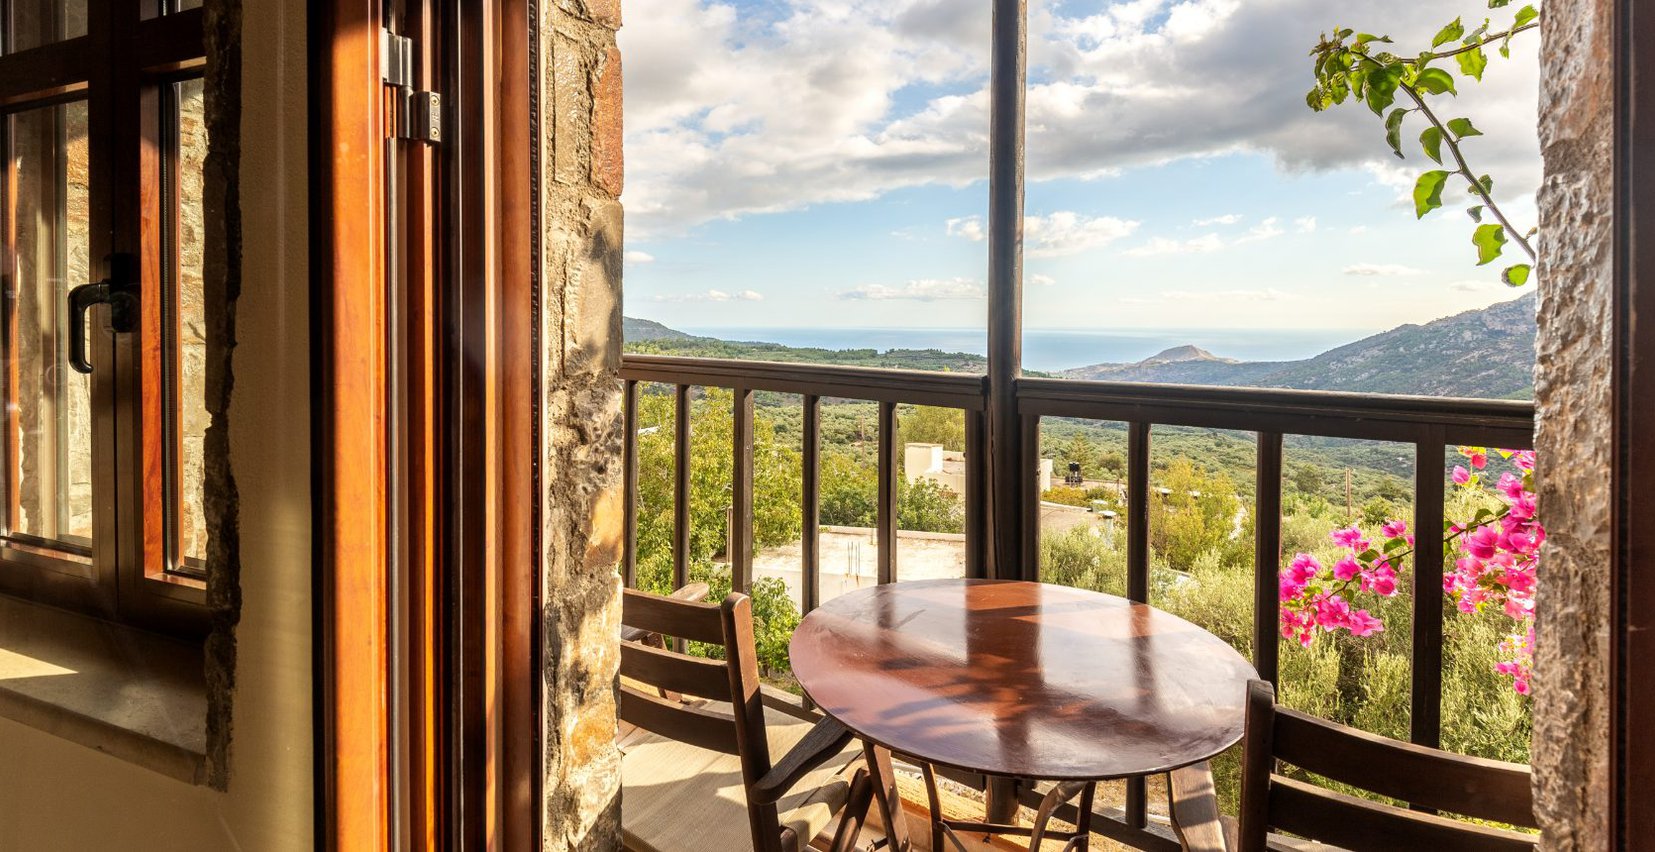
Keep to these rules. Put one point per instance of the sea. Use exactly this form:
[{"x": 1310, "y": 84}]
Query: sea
[{"x": 1051, "y": 350}]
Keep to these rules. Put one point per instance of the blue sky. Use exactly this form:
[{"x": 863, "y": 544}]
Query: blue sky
[{"x": 822, "y": 163}]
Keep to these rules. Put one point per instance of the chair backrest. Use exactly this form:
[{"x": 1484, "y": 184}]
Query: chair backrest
[
  {"x": 735, "y": 680},
  {"x": 1422, "y": 777}
]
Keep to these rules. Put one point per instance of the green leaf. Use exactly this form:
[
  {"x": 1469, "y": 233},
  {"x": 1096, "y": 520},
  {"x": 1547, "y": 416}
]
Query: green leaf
[
  {"x": 1498, "y": 4},
  {"x": 1487, "y": 184},
  {"x": 1490, "y": 240},
  {"x": 1524, "y": 15},
  {"x": 1382, "y": 85},
  {"x": 1369, "y": 555},
  {"x": 1428, "y": 192},
  {"x": 1472, "y": 63},
  {"x": 1461, "y": 128},
  {"x": 1342, "y": 33},
  {"x": 1430, "y": 139},
  {"x": 1436, "y": 81},
  {"x": 1393, "y": 130},
  {"x": 1449, "y": 33},
  {"x": 1316, "y": 99},
  {"x": 1516, "y": 276},
  {"x": 1476, "y": 213}
]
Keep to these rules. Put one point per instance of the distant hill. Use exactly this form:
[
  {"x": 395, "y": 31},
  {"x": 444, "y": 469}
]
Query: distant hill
[
  {"x": 650, "y": 340},
  {"x": 1482, "y": 353},
  {"x": 634, "y": 329}
]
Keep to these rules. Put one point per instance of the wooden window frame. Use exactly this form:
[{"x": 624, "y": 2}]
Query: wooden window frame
[{"x": 116, "y": 68}]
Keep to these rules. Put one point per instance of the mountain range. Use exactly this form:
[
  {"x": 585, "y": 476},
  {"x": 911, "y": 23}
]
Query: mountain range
[{"x": 1487, "y": 353}]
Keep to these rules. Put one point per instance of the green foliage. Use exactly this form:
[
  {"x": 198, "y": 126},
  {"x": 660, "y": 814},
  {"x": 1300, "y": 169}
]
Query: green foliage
[
  {"x": 1428, "y": 192},
  {"x": 926, "y": 424},
  {"x": 1199, "y": 513},
  {"x": 1349, "y": 64}
]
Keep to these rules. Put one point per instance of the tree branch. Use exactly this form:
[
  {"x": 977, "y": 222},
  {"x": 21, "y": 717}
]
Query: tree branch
[
  {"x": 1470, "y": 47},
  {"x": 1471, "y": 180}
]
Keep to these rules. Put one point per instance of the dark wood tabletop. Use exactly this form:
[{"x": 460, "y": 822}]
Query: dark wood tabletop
[{"x": 1022, "y": 679}]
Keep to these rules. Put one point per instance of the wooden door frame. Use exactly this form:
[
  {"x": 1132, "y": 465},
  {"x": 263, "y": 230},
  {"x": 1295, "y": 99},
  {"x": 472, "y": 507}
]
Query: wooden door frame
[
  {"x": 487, "y": 478},
  {"x": 1632, "y": 592}
]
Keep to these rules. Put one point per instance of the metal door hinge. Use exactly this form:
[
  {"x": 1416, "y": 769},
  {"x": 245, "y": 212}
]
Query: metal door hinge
[{"x": 418, "y": 113}]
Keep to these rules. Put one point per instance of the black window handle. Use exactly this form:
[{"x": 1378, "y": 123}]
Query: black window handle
[{"x": 118, "y": 291}]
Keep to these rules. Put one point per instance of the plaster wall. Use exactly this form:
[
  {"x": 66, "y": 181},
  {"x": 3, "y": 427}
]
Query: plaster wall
[{"x": 55, "y": 795}]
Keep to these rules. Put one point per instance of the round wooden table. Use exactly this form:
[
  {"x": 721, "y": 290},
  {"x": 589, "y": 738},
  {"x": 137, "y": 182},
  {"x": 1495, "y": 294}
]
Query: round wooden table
[{"x": 1020, "y": 680}]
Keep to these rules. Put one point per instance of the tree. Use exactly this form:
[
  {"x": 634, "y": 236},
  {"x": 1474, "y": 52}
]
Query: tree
[
  {"x": 1350, "y": 68},
  {"x": 927, "y": 424},
  {"x": 1198, "y": 514},
  {"x": 1309, "y": 479}
]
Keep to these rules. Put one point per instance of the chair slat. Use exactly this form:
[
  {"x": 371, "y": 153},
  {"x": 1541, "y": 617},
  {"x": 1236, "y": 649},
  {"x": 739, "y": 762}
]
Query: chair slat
[
  {"x": 675, "y": 672},
  {"x": 696, "y": 622},
  {"x": 1474, "y": 787},
  {"x": 679, "y": 721},
  {"x": 1358, "y": 825}
]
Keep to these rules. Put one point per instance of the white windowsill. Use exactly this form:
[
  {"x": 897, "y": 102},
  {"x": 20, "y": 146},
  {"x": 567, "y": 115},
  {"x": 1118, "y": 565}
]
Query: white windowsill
[{"x": 133, "y": 695}]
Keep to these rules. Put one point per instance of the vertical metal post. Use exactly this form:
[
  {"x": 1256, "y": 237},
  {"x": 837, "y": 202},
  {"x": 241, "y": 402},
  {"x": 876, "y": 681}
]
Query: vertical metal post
[
  {"x": 1137, "y": 572},
  {"x": 629, "y": 477},
  {"x": 741, "y": 490},
  {"x": 1005, "y": 286},
  {"x": 1425, "y": 710},
  {"x": 887, "y": 472},
  {"x": 976, "y": 494},
  {"x": 810, "y": 543},
  {"x": 681, "y": 489},
  {"x": 1137, "y": 512},
  {"x": 1267, "y": 556}
]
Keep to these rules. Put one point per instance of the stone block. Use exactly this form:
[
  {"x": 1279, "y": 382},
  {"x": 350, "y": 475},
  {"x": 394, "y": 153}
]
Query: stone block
[
  {"x": 571, "y": 101},
  {"x": 608, "y": 161},
  {"x": 592, "y": 295}
]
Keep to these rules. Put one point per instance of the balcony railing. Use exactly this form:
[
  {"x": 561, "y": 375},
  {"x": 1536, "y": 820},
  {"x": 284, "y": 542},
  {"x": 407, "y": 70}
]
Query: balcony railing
[{"x": 1431, "y": 425}]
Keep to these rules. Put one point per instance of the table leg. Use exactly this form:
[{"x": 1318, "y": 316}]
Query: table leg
[
  {"x": 890, "y": 800},
  {"x": 1000, "y": 800}
]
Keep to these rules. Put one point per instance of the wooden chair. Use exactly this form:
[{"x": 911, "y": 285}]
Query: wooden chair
[
  {"x": 696, "y": 768},
  {"x": 1470, "y": 787}
]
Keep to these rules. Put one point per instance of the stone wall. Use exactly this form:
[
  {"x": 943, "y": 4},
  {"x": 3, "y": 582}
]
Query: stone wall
[
  {"x": 1572, "y": 388},
  {"x": 580, "y": 232}
]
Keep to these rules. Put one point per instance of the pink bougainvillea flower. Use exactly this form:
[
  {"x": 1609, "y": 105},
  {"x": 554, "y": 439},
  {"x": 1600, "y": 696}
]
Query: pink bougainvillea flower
[
  {"x": 1381, "y": 581},
  {"x": 1482, "y": 542},
  {"x": 1350, "y": 537},
  {"x": 1461, "y": 475},
  {"x": 1360, "y": 623},
  {"x": 1478, "y": 460},
  {"x": 1511, "y": 485},
  {"x": 1347, "y": 568},
  {"x": 1394, "y": 529}
]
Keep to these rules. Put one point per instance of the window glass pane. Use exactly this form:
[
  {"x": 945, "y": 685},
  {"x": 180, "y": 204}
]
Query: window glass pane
[
  {"x": 49, "y": 428},
  {"x": 38, "y": 22},
  {"x": 185, "y": 333}
]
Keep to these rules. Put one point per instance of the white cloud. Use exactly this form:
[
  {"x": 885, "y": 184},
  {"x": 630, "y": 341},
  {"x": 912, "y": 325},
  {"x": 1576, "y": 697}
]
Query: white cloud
[
  {"x": 1305, "y": 224},
  {"x": 1226, "y": 219},
  {"x": 1062, "y": 233},
  {"x": 1066, "y": 232},
  {"x": 969, "y": 227},
  {"x": 714, "y": 296},
  {"x": 639, "y": 257},
  {"x": 922, "y": 290},
  {"x": 736, "y": 109},
  {"x": 1266, "y": 230},
  {"x": 1380, "y": 269},
  {"x": 1042, "y": 280},
  {"x": 1358, "y": 229},
  {"x": 1163, "y": 246},
  {"x": 1471, "y": 286}
]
